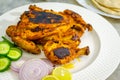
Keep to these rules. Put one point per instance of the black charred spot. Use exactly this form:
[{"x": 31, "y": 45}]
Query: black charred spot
[
  {"x": 26, "y": 12},
  {"x": 76, "y": 28},
  {"x": 18, "y": 23},
  {"x": 45, "y": 17},
  {"x": 89, "y": 26},
  {"x": 55, "y": 41},
  {"x": 87, "y": 50},
  {"x": 37, "y": 29},
  {"x": 61, "y": 52}
]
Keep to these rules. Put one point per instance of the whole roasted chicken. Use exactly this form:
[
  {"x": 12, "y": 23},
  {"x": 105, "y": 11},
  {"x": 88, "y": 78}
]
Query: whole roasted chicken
[{"x": 58, "y": 33}]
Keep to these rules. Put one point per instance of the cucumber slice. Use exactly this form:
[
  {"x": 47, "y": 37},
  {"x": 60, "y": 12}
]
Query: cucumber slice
[
  {"x": 10, "y": 43},
  {"x": 4, "y": 48},
  {"x": 4, "y": 63},
  {"x": 14, "y": 54}
]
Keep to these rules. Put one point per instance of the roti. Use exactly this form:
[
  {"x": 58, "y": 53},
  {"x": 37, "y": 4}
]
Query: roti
[
  {"x": 110, "y": 3},
  {"x": 114, "y": 11}
]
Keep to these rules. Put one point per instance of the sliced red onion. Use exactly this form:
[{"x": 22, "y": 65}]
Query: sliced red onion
[
  {"x": 50, "y": 65},
  {"x": 15, "y": 66},
  {"x": 48, "y": 62},
  {"x": 34, "y": 69}
]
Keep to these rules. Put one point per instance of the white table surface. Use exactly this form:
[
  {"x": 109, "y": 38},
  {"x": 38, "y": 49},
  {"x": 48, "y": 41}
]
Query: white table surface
[{"x": 6, "y": 5}]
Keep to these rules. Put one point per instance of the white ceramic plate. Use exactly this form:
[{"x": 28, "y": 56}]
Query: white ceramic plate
[
  {"x": 88, "y": 4},
  {"x": 104, "y": 43}
]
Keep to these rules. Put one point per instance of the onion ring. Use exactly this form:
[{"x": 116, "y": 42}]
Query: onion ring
[
  {"x": 34, "y": 69},
  {"x": 15, "y": 66},
  {"x": 50, "y": 65}
]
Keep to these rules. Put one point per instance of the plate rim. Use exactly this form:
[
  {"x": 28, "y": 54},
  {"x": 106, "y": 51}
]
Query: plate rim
[{"x": 75, "y": 6}]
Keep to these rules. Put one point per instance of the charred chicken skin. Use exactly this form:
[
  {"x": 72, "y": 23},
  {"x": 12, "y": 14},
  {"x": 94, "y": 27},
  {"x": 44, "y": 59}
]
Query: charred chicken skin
[{"x": 59, "y": 33}]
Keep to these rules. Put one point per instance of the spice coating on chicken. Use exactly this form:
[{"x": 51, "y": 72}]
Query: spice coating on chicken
[{"x": 58, "y": 32}]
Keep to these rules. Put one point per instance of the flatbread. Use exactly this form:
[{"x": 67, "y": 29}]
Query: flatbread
[
  {"x": 110, "y": 3},
  {"x": 109, "y": 10},
  {"x": 113, "y": 8}
]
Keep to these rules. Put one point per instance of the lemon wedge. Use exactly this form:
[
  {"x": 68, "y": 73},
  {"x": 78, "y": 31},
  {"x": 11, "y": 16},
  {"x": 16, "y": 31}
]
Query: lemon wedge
[
  {"x": 50, "y": 77},
  {"x": 62, "y": 73}
]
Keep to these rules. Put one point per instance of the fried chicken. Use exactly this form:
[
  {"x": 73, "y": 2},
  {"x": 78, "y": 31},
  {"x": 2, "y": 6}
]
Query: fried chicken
[{"x": 58, "y": 32}]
